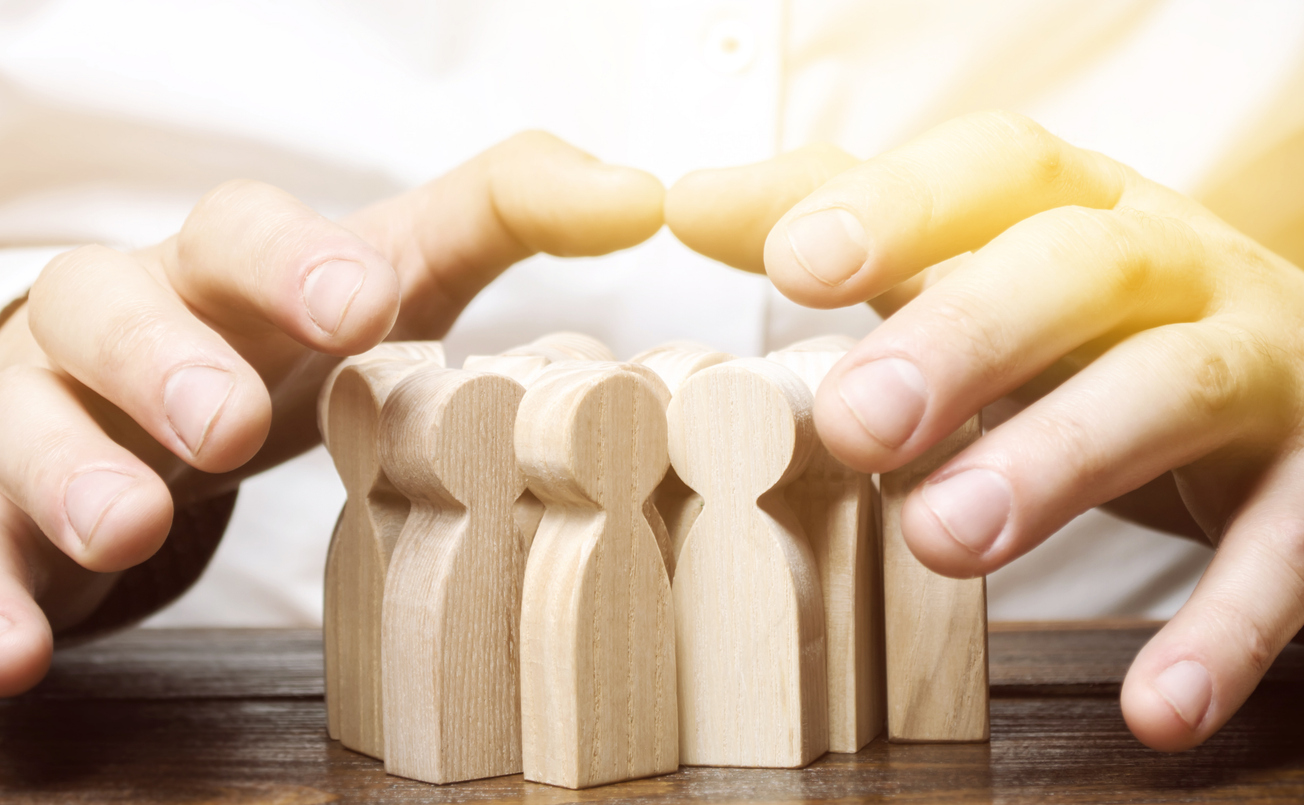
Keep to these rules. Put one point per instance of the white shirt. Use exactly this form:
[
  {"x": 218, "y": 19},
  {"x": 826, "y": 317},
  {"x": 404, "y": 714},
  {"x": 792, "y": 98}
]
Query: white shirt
[{"x": 116, "y": 117}]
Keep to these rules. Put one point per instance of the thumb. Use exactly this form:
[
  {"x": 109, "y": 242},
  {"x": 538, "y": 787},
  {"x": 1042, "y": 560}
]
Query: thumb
[{"x": 726, "y": 213}]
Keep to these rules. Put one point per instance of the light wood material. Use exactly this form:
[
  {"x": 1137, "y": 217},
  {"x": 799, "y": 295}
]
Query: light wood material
[
  {"x": 597, "y": 628},
  {"x": 418, "y": 352},
  {"x": 423, "y": 352},
  {"x": 936, "y": 626},
  {"x": 749, "y": 613},
  {"x": 528, "y": 361},
  {"x": 838, "y": 508},
  {"x": 677, "y": 505},
  {"x": 526, "y": 364},
  {"x": 368, "y": 527},
  {"x": 453, "y": 592}
]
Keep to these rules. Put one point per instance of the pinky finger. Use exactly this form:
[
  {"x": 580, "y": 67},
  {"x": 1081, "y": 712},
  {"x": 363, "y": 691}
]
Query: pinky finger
[{"x": 1201, "y": 667}]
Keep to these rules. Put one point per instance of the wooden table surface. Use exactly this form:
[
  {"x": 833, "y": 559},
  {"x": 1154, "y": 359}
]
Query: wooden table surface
[{"x": 209, "y": 716}]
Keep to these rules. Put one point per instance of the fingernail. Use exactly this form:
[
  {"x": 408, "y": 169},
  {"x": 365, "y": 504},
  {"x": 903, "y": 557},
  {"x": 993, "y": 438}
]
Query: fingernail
[
  {"x": 89, "y": 496},
  {"x": 329, "y": 290},
  {"x": 1188, "y": 689},
  {"x": 829, "y": 244},
  {"x": 888, "y": 397},
  {"x": 973, "y": 506},
  {"x": 192, "y": 399}
]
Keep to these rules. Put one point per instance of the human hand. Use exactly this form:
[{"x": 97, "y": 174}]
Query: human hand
[
  {"x": 131, "y": 383},
  {"x": 1129, "y": 331}
]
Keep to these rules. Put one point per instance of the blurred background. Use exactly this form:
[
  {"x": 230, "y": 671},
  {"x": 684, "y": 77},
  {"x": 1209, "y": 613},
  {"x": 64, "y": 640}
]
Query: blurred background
[{"x": 116, "y": 117}]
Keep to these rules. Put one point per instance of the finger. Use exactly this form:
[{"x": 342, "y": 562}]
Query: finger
[
  {"x": 726, "y": 213},
  {"x": 251, "y": 257},
  {"x": 100, "y": 316},
  {"x": 532, "y": 193},
  {"x": 26, "y": 641},
  {"x": 90, "y": 496},
  {"x": 1202, "y": 666},
  {"x": 1162, "y": 399},
  {"x": 1044, "y": 288},
  {"x": 951, "y": 190}
]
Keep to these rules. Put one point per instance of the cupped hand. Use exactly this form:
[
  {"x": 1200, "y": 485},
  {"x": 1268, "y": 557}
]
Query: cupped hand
[
  {"x": 133, "y": 383},
  {"x": 1145, "y": 352}
]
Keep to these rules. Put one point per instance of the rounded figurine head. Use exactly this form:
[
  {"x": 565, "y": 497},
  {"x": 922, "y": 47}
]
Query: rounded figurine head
[{"x": 740, "y": 429}]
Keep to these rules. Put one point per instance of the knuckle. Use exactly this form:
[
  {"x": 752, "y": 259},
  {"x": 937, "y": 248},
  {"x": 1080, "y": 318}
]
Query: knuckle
[
  {"x": 130, "y": 337},
  {"x": 1066, "y": 432},
  {"x": 233, "y": 191},
  {"x": 1044, "y": 150},
  {"x": 236, "y": 200},
  {"x": 1258, "y": 647},
  {"x": 39, "y": 446},
  {"x": 14, "y": 381},
  {"x": 985, "y": 345},
  {"x": 1210, "y": 383},
  {"x": 66, "y": 270},
  {"x": 533, "y": 141},
  {"x": 1231, "y": 369},
  {"x": 1119, "y": 265}
]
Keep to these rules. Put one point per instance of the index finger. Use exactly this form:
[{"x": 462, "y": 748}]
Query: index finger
[{"x": 947, "y": 192}]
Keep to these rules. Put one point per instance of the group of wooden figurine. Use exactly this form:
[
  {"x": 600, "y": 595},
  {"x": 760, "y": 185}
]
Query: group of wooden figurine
[{"x": 593, "y": 571}]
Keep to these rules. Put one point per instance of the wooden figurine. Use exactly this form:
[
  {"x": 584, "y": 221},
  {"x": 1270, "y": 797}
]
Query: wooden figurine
[
  {"x": 429, "y": 353},
  {"x": 838, "y": 509},
  {"x": 677, "y": 505},
  {"x": 936, "y": 627},
  {"x": 749, "y": 613},
  {"x": 364, "y": 538},
  {"x": 452, "y": 604},
  {"x": 597, "y": 627},
  {"x": 526, "y": 364}
]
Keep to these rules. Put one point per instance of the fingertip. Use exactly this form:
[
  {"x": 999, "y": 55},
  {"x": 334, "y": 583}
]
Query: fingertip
[
  {"x": 117, "y": 528},
  {"x": 557, "y": 199},
  {"x": 728, "y": 213},
  {"x": 930, "y": 540},
  {"x": 635, "y": 204},
  {"x": 351, "y": 303},
  {"x": 26, "y": 643},
  {"x": 220, "y": 415},
  {"x": 817, "y": 257},
  {"x": 1156, "y": 717},
  {"x": 841, "y": 428},
  {"x": 708, "y": 212}
]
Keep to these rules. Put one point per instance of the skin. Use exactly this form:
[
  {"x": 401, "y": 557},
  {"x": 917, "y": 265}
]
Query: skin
[
  {"x": 1139, "y": 351},
  {"x": 1142, "y": 353},
  {"x": 133, "y": 383}
]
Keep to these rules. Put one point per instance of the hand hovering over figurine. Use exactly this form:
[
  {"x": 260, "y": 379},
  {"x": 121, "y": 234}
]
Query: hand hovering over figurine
[
  {"x": 1134, "y": 339},
  {"x": 131, "y": 383}
]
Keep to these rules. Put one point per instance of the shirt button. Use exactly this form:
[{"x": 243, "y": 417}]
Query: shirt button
[{"x": 729, "y": 45}]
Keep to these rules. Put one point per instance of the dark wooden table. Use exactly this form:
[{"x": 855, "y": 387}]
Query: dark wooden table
[{"x": 209, "y": 716}]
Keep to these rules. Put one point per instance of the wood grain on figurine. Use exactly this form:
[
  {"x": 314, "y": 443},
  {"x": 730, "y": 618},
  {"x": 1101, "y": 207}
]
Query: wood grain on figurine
[
  {"x": 838, "y": 508},
  {"x": 528, "y": 361},
  {"x": 428, "y": 353},
  {"x": 526, "y": 364},
  {"x": 597, "y": 627},
  {"x": 453, "y": 592},
  {"x": 364, "y": 538},
  {"x": 749, "y": 613},
  {"x": 936, "y": 627},
  {"x": 677, "y": 505}
]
